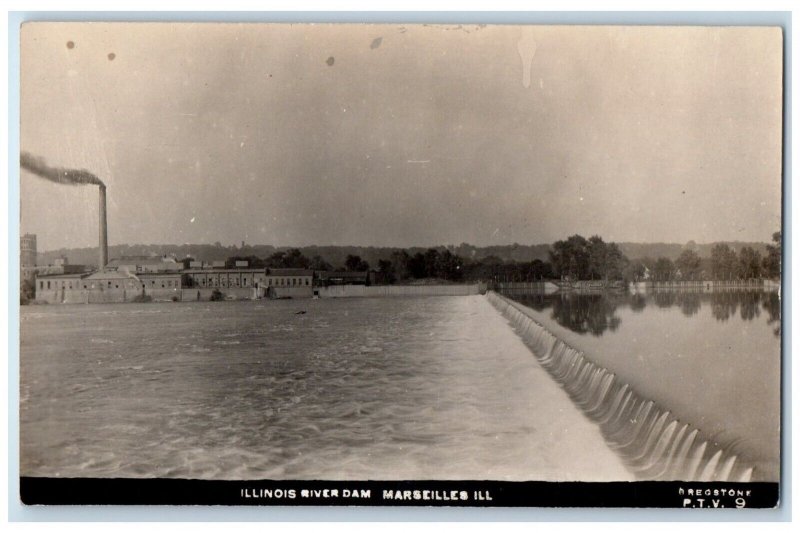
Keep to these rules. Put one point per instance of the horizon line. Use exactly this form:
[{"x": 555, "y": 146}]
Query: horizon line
[{"x": 447, "y": 246}]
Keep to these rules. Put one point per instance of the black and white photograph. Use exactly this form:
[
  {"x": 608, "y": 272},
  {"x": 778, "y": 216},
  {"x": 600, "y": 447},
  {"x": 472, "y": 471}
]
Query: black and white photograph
[{"x": 400, "y": 264}]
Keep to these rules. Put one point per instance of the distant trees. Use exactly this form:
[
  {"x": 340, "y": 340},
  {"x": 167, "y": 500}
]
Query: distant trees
[
  {"x": 724, "y": 264},
  {"x": 570, "y": 258},
  {"x": 399, "y": 261},
  {"x": 688, "y": 264},
  {"x": 574, "y": 258},
  {"x": 354, "y": 263},
  {"x": 386, "y": 269},
  {"x": 318, "y": 263},
  {"x": 663, "y": 270},
  {"x": 749, "y": 263},
  {"x": 771, "y": 263},
  {"x": 292, "y": 258},
  {"x": 433, "y": 263},
  {"x": 578, "y": 258},
  {"x": 634, "y": 271}
]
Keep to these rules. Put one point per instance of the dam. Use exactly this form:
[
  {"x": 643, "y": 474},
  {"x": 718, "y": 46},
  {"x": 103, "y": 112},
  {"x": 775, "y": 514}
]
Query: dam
[
  {"x": 464, "y": 386},
  {"x": 683, "y": 385}
]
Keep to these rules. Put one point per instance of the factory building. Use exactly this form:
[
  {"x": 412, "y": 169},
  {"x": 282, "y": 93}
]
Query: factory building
[
  {"x": 139, "y": 278},
  {"x": 290, "y": 283},
  {"x": 343, "y": 278},
  {"x": 254, "y": 278},
  {"x": 30, "y": 270},
  {"x": 108, "y": 286}
]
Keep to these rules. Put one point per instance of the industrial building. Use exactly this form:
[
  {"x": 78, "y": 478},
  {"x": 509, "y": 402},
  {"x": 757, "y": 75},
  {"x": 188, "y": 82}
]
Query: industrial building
[
  {"x": 290, "y": 283},
  {"x": 344, "y": 278},
  {"x": 163, "y": 279}
]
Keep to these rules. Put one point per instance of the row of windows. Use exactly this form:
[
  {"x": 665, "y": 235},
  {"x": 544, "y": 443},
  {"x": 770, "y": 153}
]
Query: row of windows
[
  {"x": 174, "y": 283},
  {"x": 224, "y": 282},
  {"x": 170, "y": 283},
  {"x": 218, "y": 281},
  {"x": 291, "y": 281}
]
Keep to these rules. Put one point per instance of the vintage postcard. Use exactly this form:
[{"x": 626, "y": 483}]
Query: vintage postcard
[{"x": 422, "y": 265}]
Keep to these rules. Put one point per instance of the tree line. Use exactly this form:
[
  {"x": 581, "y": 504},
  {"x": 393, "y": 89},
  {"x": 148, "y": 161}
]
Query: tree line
[{"x": 574, "y": 258}]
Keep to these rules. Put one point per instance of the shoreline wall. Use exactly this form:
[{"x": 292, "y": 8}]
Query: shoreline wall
[
  {"x": 84, "y": 296},
  {"x": 377, "y": 291},
  {"x": 704, "y": 286},
  {"x": 652, "y": 442},
  {"x": 87, "y": 296}
]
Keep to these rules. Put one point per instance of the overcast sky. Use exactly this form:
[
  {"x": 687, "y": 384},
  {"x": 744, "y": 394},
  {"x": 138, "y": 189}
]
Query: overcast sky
[{"x": 402, "y": 135}]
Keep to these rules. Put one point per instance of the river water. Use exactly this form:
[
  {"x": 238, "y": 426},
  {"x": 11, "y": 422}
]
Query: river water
[
  {"x": 713, "y": 359},
  {"x": 373, "y": 388}
]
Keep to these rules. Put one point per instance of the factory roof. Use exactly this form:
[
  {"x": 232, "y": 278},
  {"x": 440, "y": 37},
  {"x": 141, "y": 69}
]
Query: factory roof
[
  {"x": 110, "y": 274},
  {"x": 222, "y": 270},
  {"x": 343, "y": 275},
  {"x": 290, "y": 272},
  {"x": 77, "y": 275},
  {"x": 142, "y": 260}
]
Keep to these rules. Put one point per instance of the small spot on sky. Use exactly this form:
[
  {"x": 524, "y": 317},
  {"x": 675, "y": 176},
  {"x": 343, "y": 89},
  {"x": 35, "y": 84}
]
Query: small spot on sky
[
  {"x": 330, "y": 61},
  {"x": 70, "y": 45},
  {"x": 111, "y": 56}
]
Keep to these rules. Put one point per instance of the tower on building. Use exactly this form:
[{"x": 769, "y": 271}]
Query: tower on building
[{"x": 27, "y": 250}]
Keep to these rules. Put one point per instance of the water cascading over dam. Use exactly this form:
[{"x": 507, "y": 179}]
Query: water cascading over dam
[
  {"x": 66, "y": 176},
  {"x": 653, "y": 443}
]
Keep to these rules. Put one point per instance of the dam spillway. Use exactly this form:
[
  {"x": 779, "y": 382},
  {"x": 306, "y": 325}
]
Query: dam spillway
[{"x": 652, "y": 441}]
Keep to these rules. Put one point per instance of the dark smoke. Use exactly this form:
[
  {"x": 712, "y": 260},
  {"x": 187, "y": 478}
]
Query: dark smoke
[{"x": 66, "y": 176}]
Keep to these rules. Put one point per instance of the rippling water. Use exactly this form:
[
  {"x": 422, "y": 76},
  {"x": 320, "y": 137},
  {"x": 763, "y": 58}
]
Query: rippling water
[{"x": 406, "y": 388}]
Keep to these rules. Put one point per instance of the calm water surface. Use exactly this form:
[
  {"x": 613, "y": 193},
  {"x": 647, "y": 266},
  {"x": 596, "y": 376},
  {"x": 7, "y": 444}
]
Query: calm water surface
[{"x": 711, "y": 358}]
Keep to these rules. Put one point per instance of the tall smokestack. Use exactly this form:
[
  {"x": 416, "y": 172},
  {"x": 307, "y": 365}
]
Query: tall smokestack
[
  {"x": 103, "y": 230},
  {"x": 69, "y": 176}
]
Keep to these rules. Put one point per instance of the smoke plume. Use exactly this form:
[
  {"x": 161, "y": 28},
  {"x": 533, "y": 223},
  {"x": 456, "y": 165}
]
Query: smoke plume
[{"x": 66, "y": 176}]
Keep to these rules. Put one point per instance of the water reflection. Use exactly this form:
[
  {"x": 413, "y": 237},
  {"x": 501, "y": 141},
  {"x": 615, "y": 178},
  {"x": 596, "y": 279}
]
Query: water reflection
[{"x": 596, "y": 312}]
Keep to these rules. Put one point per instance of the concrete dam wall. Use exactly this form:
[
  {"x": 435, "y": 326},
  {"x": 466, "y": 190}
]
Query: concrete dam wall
[
  {"x": 363, "y": 291},
  {"x": 653, "y": 443}
]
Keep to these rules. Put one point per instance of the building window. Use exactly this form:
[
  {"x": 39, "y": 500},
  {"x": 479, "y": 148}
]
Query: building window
[
  {"x": 84, "y": 286},
  {"x": 48, "y": 284},
  {"x": 41, "y": 284},
  {"x": 109, "y": 284},
  {"x": 306, "y": 281},
  {"x": 116, "y": 286}
]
